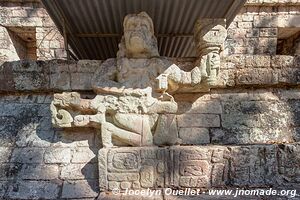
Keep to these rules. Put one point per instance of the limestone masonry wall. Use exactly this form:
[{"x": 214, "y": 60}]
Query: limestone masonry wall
[
  {"x": 45, "y": 38},
  {"x": 246, "y": 129},
  {"x": 255, "y": 30},
  {"x": 250, "y": 130}
]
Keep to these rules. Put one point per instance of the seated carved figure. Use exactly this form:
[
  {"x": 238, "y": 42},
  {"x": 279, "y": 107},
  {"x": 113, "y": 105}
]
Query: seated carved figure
[{"x": 134, "y": 105}]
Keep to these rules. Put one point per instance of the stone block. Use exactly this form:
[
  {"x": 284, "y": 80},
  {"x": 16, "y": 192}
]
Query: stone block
[
  {"x": 5, "y": 153},
  {"x": 194, "y": 135},
  {"x": 38, "y": 172},
  {"x": 80, "y": 189},
  {"x": 81, "y": 81},
  {"x": 25, "y": 81},
  {"x": 198, "y": 120},
  {"x": 258, "y": 61},
  {"x": 198, "y": 106},
  {"x": 84, "y": 155},
  {"x": 81, "y": 137},
  {"x": 4, "y": 171},
  {"x": 282, "y": 61},
  {"x": 256, "y": 77},
  {"x": 79, "y": 171},
  {"x": 267, "y": 32},
  {"x": 3, "y": 187},
  {"x": 33, "y": 190},
  {"x": 6, "y": 78},
  {"x": 57, "y": 155},
  {"x": 289, "y": 21},
  {"x": 28, "y": 155},
  {"x": 88, "y": 66},
  {"x": 28, "y": 66},
  {"x": 289, "y": 76},
  {"x": 60, "y": 81},
  {"x": 245, "y": 24},
  {"x": 123, "y": 177},
  {"x": 265, "y": 21}
]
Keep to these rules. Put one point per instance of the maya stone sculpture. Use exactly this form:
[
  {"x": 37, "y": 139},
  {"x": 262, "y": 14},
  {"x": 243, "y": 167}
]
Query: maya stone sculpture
[{"x": 134, "y": 105}]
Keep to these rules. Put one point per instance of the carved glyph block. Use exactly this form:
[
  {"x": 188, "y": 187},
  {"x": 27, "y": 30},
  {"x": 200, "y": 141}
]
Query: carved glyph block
[{"x": 162, "y": 167}]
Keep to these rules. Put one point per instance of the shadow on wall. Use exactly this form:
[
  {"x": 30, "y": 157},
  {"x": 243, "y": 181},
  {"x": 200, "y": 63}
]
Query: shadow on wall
[{"x": 44, "y": 162}]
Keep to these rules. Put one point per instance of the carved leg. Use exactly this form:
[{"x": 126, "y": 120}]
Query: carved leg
[
  {"x": 106, "y": 136},
  {"x": 137, "y": 124},
  {"x": 109, "y": 130},
  {"x": 147, "y": 137}
]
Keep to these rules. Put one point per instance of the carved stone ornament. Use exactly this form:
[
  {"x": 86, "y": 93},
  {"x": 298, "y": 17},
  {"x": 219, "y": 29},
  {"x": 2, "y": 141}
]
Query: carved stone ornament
[{"x": 134, "y": 105}]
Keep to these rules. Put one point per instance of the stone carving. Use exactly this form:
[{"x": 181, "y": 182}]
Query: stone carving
[
  {"x": 138, "y": 40},
  {"x": 160, "y": 167},
  {"x": 134, "y": 105}
]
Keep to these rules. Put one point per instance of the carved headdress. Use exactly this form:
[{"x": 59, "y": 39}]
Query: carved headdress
[{"x": 209, "y": 35}]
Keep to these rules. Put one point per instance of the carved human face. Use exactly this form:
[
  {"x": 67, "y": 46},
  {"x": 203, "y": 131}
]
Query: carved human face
[{"x": 138, "y": 35}]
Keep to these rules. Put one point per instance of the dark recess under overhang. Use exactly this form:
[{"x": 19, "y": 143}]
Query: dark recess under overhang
[{"x": 93, "y": 28}]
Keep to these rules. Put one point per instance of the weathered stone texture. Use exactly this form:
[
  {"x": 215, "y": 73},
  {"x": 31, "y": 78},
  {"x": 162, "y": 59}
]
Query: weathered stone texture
[
  {"x": 33, "y": 190},
  {"x": 41, "y": 153},
  {"x": 28, "y": 155},
  {"x": 84, "y": 155},
  {"x": 34, "y": 157},
  {"x": 206, "y": 166},
  {"x": 79, "y": 171},
  {"x": 79, "y": 189},
  {"x": 237, "y": 71},
  {"x": 198, "y": 120},
  {"x": 38, "y": 172},
  {"x": 5, "y": 153},
  {"x": 47, "y": 41},
  {"x": 194, "y": 135},
  {"x": 58, "y": 155}
]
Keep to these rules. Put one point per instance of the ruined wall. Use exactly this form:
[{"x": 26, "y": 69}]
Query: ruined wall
[
  {"x": 44, "y": 35},
  {"x": 251, "y": 127},
  {"x": 255, "y": 30}
]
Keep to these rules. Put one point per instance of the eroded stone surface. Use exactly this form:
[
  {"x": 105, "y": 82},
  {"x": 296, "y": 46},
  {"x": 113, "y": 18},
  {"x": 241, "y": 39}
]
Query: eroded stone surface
[
  {"x": 138, "y": 111},
  {"x": 201, "y": 167}
]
